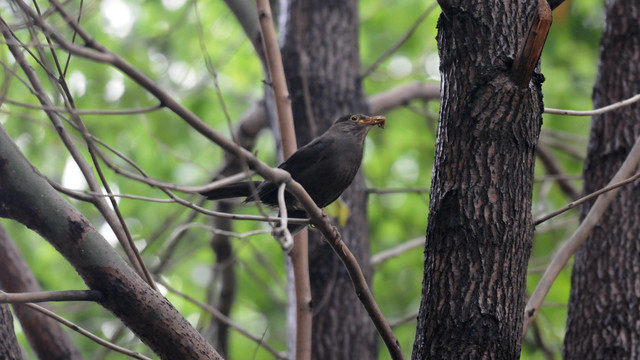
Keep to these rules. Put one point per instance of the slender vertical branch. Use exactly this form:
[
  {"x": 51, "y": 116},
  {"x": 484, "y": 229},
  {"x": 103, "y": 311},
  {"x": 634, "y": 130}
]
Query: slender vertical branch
[{"x": 299, "y": 252}]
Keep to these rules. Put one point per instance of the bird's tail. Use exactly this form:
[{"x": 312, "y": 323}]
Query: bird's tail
[{"x": 231, "y": 191}]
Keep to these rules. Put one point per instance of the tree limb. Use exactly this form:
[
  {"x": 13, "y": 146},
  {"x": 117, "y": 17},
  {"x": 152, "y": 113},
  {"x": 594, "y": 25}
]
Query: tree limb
[{"x": 27, "y": 197}]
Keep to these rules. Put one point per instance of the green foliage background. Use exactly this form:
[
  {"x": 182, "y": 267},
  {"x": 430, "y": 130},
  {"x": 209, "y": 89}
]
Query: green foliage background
[{"x": 163, "y": 42}]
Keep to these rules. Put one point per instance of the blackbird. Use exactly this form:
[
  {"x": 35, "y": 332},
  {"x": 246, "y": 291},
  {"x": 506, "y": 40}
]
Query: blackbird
[{"x": 325, "y": 167}]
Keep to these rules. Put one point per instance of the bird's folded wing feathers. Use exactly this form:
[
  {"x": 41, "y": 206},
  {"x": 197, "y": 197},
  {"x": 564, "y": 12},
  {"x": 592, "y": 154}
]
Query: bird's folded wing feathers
[
  {"x": 300, "y": 165},
  {"x": 240, "y": 189},
  {"x": 307, "y": 155}
]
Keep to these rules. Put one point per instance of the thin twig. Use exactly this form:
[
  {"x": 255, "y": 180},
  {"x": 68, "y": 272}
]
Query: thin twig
[
  {"x": 133, "y": 111},
  {"x": 212, "y": 71},
  {"x": 598, "y": 111},
  {"x": 381, "y": 191},
  {"x": 43, "y": 296},
  {"x": 553, "y": 168},
  {"x": 86, "y": 333},
  {"x": 403, "y": 320},
  {"x": 400, "y": 42},
  {"x": 385, "y": 255},
  {"x": 586, "y": 198},
  {"x": 539, "y": 340},
  {"x": 227, "y": 321},
  {"x": 67, "y": 140},
  {"x": 550, "y": 177},
  {"x": 563, "y": 146}
]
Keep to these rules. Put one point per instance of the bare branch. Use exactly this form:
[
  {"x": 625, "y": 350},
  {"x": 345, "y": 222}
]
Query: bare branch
[
  {"x": 86, "y": 333},
  {"x": 403, "y": 320},
  {"x": 299, "y": 254},
  {"x": 586, "y": 198},
  {"x": 380, "y": 191},
  {"x": 43, "y": 296},
  {"x": 218, "y": 315},
  {"x": 553, "y": 168},
  {"x": 133, "y": 111},
  {"x": 401, "y": 95},
  {"x": 385, "y": 255},
  {"x": 598, "y": 111},
  {"x": 119, "y": 228},
  {"x": 570, "y": 246}
]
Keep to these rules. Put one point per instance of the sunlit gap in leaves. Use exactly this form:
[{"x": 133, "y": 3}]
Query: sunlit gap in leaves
[{"x": 119, "y": 16}]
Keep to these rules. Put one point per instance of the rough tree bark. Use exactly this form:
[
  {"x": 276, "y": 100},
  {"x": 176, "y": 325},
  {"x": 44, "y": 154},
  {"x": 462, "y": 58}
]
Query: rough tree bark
[
  {"x": 322, "y": 65},
  {"x": 604, "y": 306},
  {"x": 480, "y": 228},
  {"x": 9, "y": 347}
]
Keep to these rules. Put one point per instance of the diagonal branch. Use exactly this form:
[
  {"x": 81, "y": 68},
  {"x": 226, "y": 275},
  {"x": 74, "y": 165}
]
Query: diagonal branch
[
  {"x": 26, "y": 197},
  {"x": 118, "y": 226},
  {"x": 400, "y": 42},
  {"x": 86, "y": 333},
  {"x": 567, "y": 250}
]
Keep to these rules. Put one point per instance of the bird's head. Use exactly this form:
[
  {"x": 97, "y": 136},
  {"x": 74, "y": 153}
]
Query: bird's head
[
  {"x": 357, "y": 125},
  {"x": 361, "y": 121}
]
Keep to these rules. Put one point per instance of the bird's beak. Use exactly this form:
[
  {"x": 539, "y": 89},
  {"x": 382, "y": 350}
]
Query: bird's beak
[{"x": 374, "y": 120}]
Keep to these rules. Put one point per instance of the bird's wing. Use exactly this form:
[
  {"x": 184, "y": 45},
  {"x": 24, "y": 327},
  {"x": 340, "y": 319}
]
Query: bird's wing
[
  {"x": 307, "y": 156},
  {"x": 300, "y": 165}
]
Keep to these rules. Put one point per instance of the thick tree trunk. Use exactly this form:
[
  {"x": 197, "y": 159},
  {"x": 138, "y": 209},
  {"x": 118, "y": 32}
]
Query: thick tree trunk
[
  {"x": 480, "y": 229},
  {"x": 322, "y": 64},
  {"x": 9, "y": 347},
  {"x": 604, "y": 307}
]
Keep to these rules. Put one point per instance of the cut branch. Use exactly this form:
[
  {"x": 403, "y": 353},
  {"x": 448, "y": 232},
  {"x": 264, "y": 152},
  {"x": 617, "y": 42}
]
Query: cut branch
[{"x": 530, "y": 50}]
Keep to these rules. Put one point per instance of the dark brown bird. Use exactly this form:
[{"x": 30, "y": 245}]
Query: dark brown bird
[{"x": 325, "y": 167}]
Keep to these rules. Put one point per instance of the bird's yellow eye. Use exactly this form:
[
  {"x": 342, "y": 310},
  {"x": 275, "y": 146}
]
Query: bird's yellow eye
[{"x": 354, "y": 118}]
